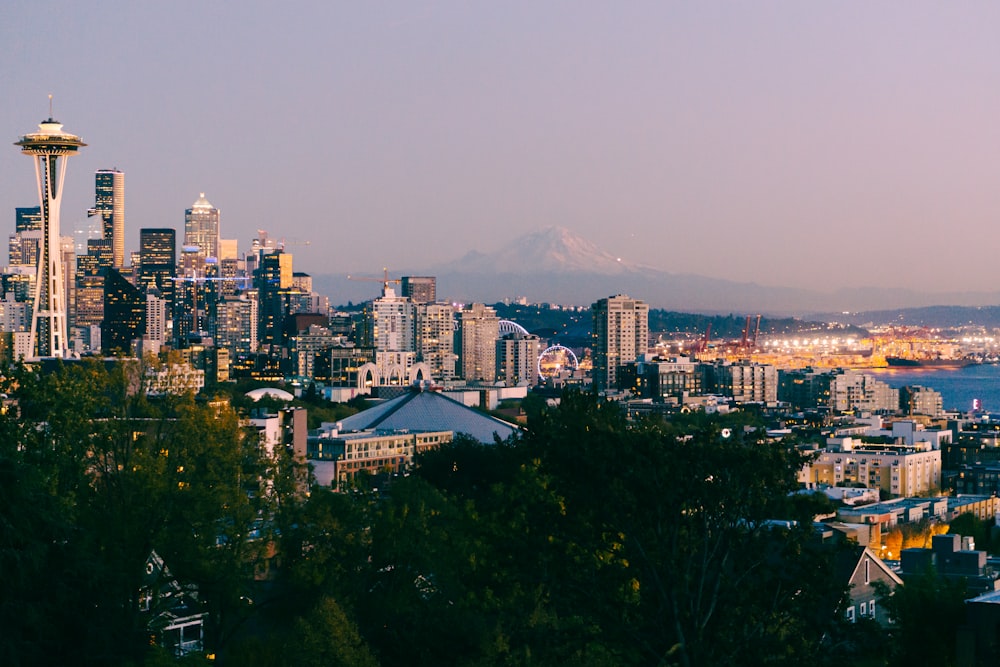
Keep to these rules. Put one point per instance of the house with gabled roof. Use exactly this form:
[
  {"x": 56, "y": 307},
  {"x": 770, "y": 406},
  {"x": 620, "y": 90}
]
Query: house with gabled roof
[
  {"x": 864, "y": 571},
  {"x": 174, "y": 616}
]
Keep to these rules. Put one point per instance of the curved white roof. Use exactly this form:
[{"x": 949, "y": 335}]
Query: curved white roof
[
  {"x": 273, "y": 392},
  {"x": 429, "y": 411}
]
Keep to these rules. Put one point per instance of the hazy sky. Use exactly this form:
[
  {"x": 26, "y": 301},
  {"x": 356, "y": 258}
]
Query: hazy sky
[{"x": 786, "y": 143}]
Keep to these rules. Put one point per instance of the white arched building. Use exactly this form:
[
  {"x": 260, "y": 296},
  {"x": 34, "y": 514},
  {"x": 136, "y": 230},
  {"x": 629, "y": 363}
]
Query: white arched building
[{"x": 392, "y": 369}]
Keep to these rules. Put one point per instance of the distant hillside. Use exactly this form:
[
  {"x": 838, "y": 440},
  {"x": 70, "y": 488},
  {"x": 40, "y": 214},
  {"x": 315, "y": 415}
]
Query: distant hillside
[
  {"x": 930, "y": 316},
  {"x": 731, "y": 326},
  {"x": 573, "y": 327}
]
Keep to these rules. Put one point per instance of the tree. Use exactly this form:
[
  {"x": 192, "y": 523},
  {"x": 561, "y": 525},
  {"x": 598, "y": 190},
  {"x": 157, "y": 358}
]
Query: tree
[
  {"x": 677, "y": 515},
  {"x": 926, "y": 612},
  {"x": 117, "y": 477},
  {"x": 969, "y": 525}
]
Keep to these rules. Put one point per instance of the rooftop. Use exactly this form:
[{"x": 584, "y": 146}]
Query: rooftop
[{"x": 420, "y": 410}]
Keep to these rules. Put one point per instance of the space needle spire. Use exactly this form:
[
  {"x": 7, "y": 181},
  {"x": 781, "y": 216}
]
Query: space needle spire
[{"x": 49, "y": 147}]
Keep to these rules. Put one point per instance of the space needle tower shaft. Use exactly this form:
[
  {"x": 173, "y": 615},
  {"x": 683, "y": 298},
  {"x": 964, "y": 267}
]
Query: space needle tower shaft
[{"x": 49, "y": 147}]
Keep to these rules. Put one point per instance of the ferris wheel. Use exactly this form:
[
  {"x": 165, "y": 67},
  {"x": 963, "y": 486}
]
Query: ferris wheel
[{"x": 555, "y": 359}]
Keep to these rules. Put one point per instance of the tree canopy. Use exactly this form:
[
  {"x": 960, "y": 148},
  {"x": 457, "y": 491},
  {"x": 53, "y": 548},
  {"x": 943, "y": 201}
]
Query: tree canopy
[{"x": 588, "y": 541}]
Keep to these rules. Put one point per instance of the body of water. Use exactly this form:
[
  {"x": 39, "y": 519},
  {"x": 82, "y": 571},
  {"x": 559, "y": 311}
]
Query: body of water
[{"x": 958, "y": 386}]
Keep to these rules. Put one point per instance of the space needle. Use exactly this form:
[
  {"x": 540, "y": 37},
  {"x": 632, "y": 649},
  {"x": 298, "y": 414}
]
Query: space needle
[{"x": 49, "y": 146}]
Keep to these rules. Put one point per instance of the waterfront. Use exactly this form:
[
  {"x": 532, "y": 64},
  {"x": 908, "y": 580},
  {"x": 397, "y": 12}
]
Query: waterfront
[{"x": 958, "y": 386}]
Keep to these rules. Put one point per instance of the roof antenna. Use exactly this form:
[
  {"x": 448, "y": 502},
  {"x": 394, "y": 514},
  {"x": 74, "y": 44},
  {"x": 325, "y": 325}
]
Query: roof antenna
[{"x": 50, "y": 106}]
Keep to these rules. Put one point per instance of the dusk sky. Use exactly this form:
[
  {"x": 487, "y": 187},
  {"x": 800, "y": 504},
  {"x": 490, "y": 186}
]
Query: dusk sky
[{"x": 818, "y": 145}]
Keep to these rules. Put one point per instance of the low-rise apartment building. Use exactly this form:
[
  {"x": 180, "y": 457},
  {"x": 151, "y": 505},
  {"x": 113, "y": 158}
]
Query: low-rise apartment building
[{"x": 899, "y": 470}]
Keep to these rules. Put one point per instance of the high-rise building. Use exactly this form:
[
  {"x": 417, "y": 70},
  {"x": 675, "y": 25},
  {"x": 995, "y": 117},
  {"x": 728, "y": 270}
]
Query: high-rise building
[
  {"x": 157, "y": 247},
  {"x": 22, "y": 250},
  {"x": 745, "y": 382},
  {"x": 390, "y": 322},
  {"x": 302, "y": 281},
  {"x": 435, "y": 338},
  {"x": 419, "y": 289},
  {"x": 273, "y": 280},
  {"x": 49, "y": 147},
  {"x": 304, "y": 346},
  {"x": 14, "y": 315},
  {"x": 109, "y": 204},
  {"x": 156, "y": 317},
  {"x": 517, "y": 359},
  {"x": 621, "y": 334},
  {"x": 28, "y": 218},
  {"x": 67, "y": 251},
  {"x": 189, "y": 308},
  {"x": 19, "y": 286},
  {"x": 158, "y": 261},
  {"x": 238, "y": 319},
  {"x": 475, "y": 342},
  {"x": 201, "y": 227},
  {"x": 124, "y": 315},
  {"x": 230, "y": 266},
  {"x": 917, "y": 400},
  {"x": 25, "y": 241},
  {"x": 91, "y": 269}
]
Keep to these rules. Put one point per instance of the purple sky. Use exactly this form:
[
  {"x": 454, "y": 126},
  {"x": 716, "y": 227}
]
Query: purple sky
[{"x": 804, "y": 144}]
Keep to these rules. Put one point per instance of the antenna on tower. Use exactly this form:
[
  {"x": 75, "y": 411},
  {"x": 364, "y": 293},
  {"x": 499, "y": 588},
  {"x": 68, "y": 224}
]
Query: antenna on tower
[{"x": 50, "y": 106}]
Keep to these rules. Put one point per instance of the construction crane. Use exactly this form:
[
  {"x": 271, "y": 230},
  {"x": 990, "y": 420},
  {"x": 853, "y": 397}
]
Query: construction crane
[
  {"x": 385, "y": 280},
  {"x": 264, "y": 241},
  {"x": 287, "y": 242}
]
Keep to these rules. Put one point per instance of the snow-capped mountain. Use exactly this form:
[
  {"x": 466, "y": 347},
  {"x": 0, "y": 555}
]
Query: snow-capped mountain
[{"x": 553, "y": 265}]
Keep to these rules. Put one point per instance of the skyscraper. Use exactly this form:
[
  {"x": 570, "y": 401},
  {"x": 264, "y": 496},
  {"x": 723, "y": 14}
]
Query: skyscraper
[
  {"x": 156, "y": 318},
  {"x": 28, "y": 218},
  {"x": 390, "y": 322},
  {"x": 476, "y": 340},
  {"x": 22, "y": 249},
  {"x": 158, "y": 261},
  {"x": 435, "y": 338},
  {"x": 621, "y": 333},
  {"x": 201, "y": 227},
  {"x": 109, "y": 203},
  {"x": 419, "y": 289},
  {"x": 517, "y": 359},
  {"x": 273, "y": 280},
  {"x": 124, "y": 315},
  {"x": 238, "y": 318},
  {"x": 48, "y": 322}
]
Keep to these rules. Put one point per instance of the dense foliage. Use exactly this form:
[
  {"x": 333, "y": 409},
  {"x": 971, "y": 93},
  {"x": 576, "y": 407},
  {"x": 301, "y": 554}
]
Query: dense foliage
[
  {"x": 587, "y": 542},
  {"x": 95, "y": 477}
]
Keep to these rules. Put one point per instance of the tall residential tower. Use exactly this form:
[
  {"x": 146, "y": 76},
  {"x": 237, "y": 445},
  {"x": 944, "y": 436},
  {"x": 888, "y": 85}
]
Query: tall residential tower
[
  {"x": 109, "y": 203},
  {"x": 49, "y": 147},
  {"x": 621, "y": 334}
]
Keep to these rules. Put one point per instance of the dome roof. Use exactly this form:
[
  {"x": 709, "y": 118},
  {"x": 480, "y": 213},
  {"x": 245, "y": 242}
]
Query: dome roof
[{"x": 273, "y": 392}]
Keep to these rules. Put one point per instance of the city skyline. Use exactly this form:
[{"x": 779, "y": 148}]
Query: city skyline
[{"x": 819, "y": 147}]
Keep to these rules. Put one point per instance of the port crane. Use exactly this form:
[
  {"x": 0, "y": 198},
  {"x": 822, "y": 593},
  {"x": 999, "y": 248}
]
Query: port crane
[{"x": 701, "y": 345}]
